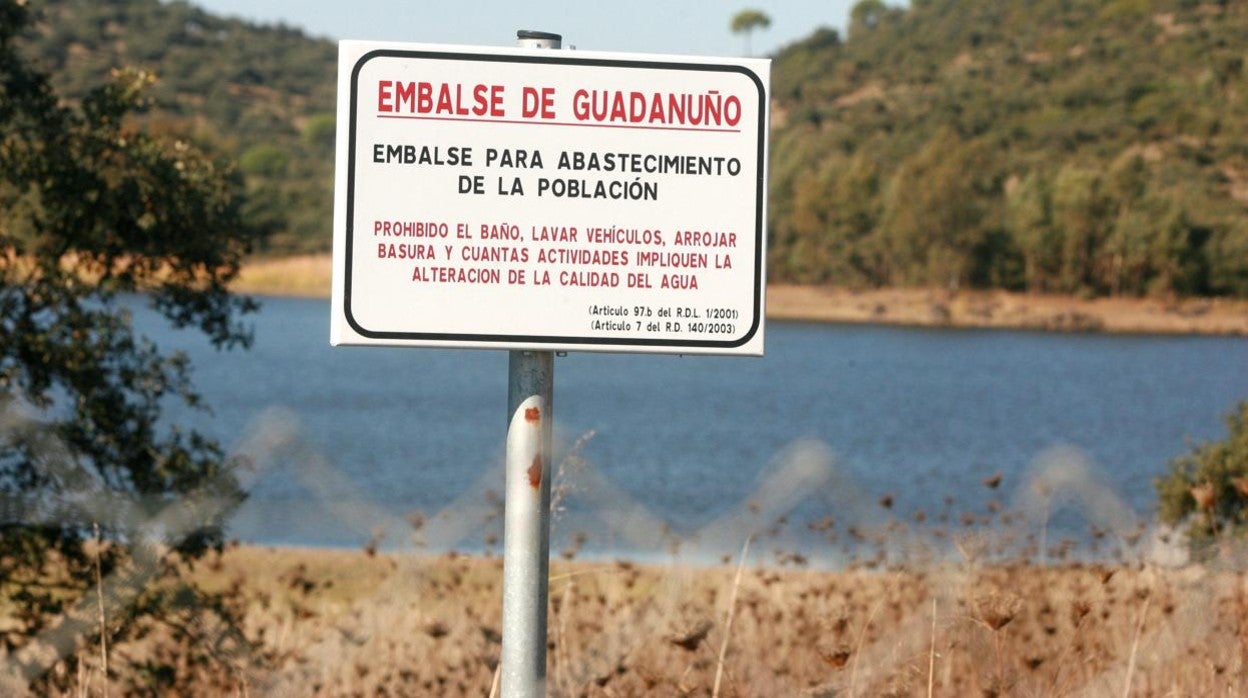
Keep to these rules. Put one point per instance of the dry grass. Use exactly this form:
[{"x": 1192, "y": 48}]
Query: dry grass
[
  {"x": 309, "y": 275},
  {"x": 303, "y": 275},
  {"x": 351, "y": 623}
]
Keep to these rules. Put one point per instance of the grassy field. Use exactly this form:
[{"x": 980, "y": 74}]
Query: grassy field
[
  {"x": 348, "y": 623},
  {"x": 310, "y": 276}
]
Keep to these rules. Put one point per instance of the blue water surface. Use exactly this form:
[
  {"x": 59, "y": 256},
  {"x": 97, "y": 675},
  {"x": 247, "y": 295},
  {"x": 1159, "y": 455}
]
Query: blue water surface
[{"x": 920, "y": 415}]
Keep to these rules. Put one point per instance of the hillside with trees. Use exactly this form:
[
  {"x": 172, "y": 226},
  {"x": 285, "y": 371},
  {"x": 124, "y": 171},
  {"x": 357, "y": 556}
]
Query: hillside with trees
[
  {"x": 1079, "y": 146},
  {"x": 262, "y": 94},
  {"x": 1094, "y": 147}
]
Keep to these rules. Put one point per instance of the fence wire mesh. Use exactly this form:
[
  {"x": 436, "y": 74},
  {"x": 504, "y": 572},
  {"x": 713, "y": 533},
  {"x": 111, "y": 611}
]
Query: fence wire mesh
[{"x": 842, "y": 594}]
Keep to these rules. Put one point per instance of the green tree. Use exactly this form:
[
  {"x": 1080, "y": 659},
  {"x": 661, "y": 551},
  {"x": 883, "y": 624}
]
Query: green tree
[
  {"x": 319, "y": 132},
  {"x": 866, "y": 15},
  {"x": 1029, "y": 213},
  {"x": 265, "y": 160},
  {"x": 1081, "y": 212},
  {"x": 746, "y": 21},
  {"x": 1206, "y": 490},
  {"x": 934, "y": 213},
  {"x": 92, "y": 207},
  {"x": 1228, "y": 273}
]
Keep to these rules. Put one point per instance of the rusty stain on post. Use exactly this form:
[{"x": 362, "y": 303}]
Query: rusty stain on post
[{"x": 535, "y": 472}]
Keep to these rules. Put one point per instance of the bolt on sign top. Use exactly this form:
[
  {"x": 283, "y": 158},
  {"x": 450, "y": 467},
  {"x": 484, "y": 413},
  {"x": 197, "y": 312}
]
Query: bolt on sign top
[{"x": 549, "y": 200}]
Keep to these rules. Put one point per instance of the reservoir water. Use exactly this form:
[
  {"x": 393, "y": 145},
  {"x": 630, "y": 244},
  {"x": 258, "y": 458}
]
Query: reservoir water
[{"x": 900, "y": 424}]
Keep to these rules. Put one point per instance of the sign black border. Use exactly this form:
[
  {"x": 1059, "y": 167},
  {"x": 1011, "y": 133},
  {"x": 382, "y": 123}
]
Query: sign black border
[{"x": 562, "y": 341}]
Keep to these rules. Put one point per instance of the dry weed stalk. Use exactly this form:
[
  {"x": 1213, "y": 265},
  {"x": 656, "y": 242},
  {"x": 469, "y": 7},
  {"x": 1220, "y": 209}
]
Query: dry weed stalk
[
  {"x": 732, "y": 610},
  {"x": 570, "y": 468},
  {"x": 1044, "y": 491},
  {"x": 561, "y": 639},
  {"x": 1135, "y": 647},
  {"x": 931, "y": 657},
  {"x": 857, "y": 652},
  {"x": 99, "y": 596},
  {"x": 1241, "y": 627},
  {"x": 994, "y": 611},
  {"x": 498, "y": 674}
]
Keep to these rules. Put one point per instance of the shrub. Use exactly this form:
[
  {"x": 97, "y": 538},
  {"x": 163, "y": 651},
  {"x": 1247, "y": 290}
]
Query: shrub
[{"x": 1207, "y": 490}]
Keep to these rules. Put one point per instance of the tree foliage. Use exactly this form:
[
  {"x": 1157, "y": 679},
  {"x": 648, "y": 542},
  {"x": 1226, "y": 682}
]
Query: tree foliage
[
  {"x": 867, "y": 14},
  {"x": 224, "y": 83},
  {"x": 746, "y": 21},
  {"x": 1067, "y": 146},
  {"x": 94, "y": 208},
  {"x": 1206, "y": 491}
]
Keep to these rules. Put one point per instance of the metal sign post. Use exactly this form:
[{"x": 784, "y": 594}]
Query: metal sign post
[{"x": 526, "y": 526}]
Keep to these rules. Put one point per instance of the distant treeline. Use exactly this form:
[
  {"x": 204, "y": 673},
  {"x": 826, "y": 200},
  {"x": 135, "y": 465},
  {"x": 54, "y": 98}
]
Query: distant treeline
[{"x": 1081, "y": 146}]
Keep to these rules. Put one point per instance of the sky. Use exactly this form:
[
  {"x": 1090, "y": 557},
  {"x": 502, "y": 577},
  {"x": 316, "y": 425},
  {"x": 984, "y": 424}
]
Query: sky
[{"x": 697, "y": 27}]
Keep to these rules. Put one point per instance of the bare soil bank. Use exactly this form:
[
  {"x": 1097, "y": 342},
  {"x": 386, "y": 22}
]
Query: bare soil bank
[
  {"x": 337, "y": 622},
  {"x": 309, "y": 275}
]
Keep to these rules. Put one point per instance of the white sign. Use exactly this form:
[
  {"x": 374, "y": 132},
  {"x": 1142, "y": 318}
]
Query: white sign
[{"x": 549, "y": 200}]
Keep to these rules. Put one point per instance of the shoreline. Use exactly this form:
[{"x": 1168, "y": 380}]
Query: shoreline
[{"x": 309, "y": 276}]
